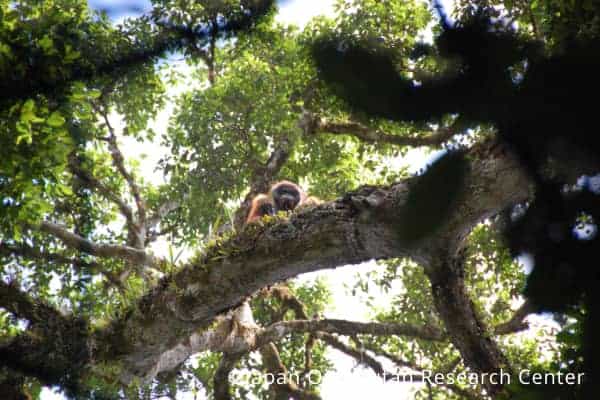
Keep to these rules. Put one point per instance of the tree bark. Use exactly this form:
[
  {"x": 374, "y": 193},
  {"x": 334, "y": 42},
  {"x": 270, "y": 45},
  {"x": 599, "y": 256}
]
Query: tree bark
[
  {"x": 346, "y": 231},
  {"x": 360, "y": 226}
]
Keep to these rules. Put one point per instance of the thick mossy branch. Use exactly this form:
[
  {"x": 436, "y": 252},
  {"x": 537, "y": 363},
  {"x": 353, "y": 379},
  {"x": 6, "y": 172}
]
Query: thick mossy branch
[
  {"x": 362, "y": 225},
  {"x": 55, "y": 348}
]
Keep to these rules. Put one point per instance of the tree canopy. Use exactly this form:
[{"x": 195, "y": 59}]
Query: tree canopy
[{"x": 121, "y": 282}]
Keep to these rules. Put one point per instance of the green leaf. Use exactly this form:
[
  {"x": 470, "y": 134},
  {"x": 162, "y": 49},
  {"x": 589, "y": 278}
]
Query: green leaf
[
  {"x": 46, "y": 44},
  {"x": 28, "y": 106},
  {"x": 70, "y": 54},
  {"x": 94, "y": 93},
  {"x": 55, "y": 120}
]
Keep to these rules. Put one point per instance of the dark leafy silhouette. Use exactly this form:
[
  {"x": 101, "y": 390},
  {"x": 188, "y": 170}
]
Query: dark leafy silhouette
[
  {"x": 432, "y": 198},
  {"x": 544, "y": 114},
  {"x": 43, "y": 74}
]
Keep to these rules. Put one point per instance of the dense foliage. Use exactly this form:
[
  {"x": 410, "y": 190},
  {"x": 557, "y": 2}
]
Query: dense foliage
[{"x": 89, "y": 230}]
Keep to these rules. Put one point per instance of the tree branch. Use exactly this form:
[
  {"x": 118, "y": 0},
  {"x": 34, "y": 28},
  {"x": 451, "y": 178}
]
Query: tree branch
[
  {"x": 346, "y": 231},
  {"x": 289, "y": 301},
  {"x": 308, "y": 360},
  {"x": 278, "y": 330},
  {"x": 288, "y": 389},
  {"x": 465, "y": 327},
  {"x": 32, "y": 253},
  {"x": 517, "y": 323},
  {"x": 286, "y": 297},
  {"x": 361, "y": 226},
  {"x": 464, "y": 393},
  {"x": 119, "y": 163},
  {"x": 55, "y": 348},
  {"x": 88, "y": 179},
  {"x": 222, "y": 389},
  {"x": 24, "y": 306},
  {"x": 314, "y": 125},
  {"x": 361, "y": 356},
  {"x": 163, "y": 210},
  {"x": 37, "y": 80},
  {"x": 135, "y": 256}
]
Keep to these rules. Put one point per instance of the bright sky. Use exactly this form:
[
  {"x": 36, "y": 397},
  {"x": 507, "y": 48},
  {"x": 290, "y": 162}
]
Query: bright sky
[
  {"x": 349, "y": 381},
  {"x": 299, "y": 12}
]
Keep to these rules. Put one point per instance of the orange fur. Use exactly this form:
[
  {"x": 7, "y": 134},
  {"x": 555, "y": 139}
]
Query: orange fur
[
  {"x": 261, "y": 206},
  {"x": 311, "y": 201}
]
